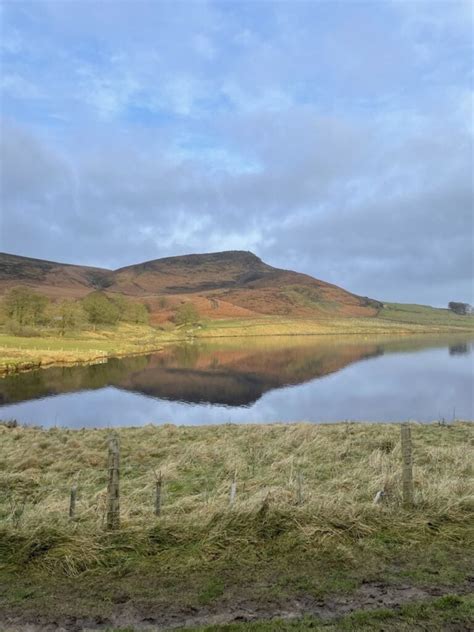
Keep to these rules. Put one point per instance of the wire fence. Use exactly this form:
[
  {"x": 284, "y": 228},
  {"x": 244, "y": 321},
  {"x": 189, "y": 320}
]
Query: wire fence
[{"x": 117, "y": 480}]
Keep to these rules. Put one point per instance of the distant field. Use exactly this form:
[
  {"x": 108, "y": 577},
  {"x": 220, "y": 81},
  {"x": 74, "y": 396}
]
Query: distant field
[
  {"x": 391, "y": 320},
  {"x": 302, "y": 535},
  {"x": 423, "y": 315}
]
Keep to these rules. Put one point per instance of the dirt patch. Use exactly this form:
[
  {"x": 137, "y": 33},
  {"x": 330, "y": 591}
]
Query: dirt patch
[{"x": 370, "y": 596}]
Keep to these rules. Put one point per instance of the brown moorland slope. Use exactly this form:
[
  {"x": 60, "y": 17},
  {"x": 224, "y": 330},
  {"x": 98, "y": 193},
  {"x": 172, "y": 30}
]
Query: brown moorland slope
[
  {"x": 221, "y": 285},
  {"x": 51, "y": 278}
]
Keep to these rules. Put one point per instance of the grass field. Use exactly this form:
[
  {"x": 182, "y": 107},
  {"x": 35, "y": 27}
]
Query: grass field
[
  {"x": 424, "y": 316},
  {"x": 302, "y": 537},
  {"x": 380, "y": 325},
  {"x": 393, "y": 318}
]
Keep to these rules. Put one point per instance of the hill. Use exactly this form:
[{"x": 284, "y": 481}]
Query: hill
[{"x": 221, "y": 285}]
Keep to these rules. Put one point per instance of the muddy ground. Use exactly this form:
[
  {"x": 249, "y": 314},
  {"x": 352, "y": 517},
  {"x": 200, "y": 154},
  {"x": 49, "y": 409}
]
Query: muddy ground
[{"x": 370, "y": 596}]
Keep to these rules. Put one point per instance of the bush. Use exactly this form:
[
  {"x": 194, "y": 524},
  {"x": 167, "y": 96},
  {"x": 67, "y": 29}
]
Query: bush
[
  {"x": 25, "y": 331},
  {"x": 460, "y": 308}
]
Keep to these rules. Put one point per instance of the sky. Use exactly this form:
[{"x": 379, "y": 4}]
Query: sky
[{"x": 332, "y": 138}]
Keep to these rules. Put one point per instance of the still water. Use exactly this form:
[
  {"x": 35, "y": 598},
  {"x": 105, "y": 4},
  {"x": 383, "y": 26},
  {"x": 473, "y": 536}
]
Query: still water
[{"x": 311, "y": 378}]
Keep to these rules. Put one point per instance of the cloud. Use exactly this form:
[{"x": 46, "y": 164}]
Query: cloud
[{"x": 332, "y": 139}]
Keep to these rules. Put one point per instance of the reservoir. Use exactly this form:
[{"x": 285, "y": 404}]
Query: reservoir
[{"x": 317, "y": 379}]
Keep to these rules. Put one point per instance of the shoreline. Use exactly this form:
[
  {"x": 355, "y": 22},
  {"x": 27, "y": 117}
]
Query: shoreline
[
  {"x": 251, "y": 425},
  {"x": 26, "y": 367},
  {"x": 29, "y": 365}
]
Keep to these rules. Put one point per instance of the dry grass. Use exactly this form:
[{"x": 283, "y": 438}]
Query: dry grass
[
  {"x": 337, "y": 469},
  {"x": 281, "y": 326},
  {"x": 22, "y": 353},
  {"x": 266, "y": 548}
]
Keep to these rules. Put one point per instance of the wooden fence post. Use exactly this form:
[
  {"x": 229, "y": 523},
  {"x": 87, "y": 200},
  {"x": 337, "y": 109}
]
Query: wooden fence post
[
  {"x": 72, "y": 502},
  {"x": 407, "y": 466},
  {"x": 299, "y": 488},
  {"x": 233, "y": 490},
  {"x": 158, "y": 483},
  {"x": 113, "y": 490}
]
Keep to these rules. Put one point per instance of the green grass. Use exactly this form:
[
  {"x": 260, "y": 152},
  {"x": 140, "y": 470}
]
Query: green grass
[
  {"x": 393, "y": 319},
  {"x": 267, "y": 549},
  {"x": 425, "y": 316}
]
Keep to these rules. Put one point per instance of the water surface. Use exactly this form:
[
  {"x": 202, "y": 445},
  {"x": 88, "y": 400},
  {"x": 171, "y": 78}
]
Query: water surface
[{"x": 312, "y": 378}]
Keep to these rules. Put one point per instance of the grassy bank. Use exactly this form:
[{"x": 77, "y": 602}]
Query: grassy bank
[
  {"x": 22, "y": 353},
  {"x": 303, "y": 533}
]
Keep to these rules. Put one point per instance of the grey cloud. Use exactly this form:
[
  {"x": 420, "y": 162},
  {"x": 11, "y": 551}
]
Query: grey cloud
[
  {"x": 341, "y": 202},
  {"x": 344, "y": 155}
]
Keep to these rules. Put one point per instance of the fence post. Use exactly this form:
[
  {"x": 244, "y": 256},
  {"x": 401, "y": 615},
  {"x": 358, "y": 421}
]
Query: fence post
[
  {"x": 233, "y": 490},
  {"x": 72, "y": 502},
  {"x": 299, "y": 488},
  {"x": 407, "y": 466},
  {"x": 158, "y": 483},
  {"x": 113, "y": 491}
]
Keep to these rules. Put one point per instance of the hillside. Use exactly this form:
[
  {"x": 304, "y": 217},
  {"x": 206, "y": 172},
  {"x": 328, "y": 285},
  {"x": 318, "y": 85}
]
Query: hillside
[
  {"x": 221, "y": 285},
  {"x": 54, "y": 279}
]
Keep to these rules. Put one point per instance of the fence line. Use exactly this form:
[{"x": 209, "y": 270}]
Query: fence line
[{"x": 114, "y": 470}]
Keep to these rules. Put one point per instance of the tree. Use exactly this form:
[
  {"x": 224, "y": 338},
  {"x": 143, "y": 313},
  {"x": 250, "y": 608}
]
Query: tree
[
  {"x": 67, "y": 316},
  {"x": 100, "y": 309},
  {"x": 24, "y": 307},
  {"x": 136, "y": 313},
  {"x": 131, "y": 311},
  {"x": 460, "y": 308},
  {"x": 186, "y": 314}
]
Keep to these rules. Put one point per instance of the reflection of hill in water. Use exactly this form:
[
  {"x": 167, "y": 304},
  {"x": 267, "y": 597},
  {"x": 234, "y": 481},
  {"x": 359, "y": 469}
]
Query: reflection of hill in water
[{"x": 235, "y": 376}]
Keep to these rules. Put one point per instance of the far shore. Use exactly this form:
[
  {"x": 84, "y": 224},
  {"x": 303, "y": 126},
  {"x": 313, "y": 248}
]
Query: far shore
[{"x": 18, "y": 354}]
